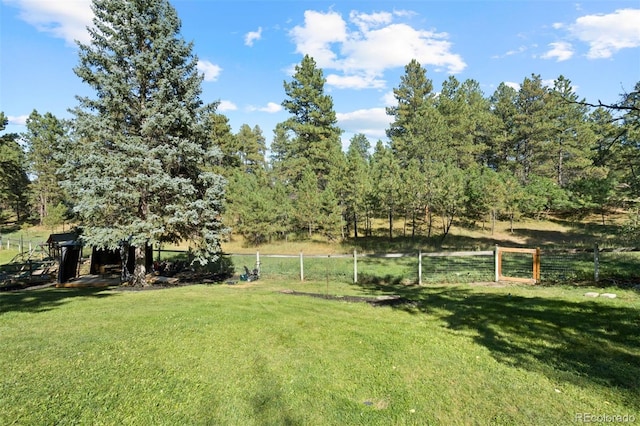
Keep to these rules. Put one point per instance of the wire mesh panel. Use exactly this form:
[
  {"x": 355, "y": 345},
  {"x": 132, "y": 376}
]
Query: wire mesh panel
[
  {"x": 566, "y": 265},
  {"x": 619, "y": 265},
  {"x": 517, "y": 265},
  {"x": 388, "y": 269},
  {"x": 333, "y": 268},
  {"x": 312, "y": 267},
  {"x": 274, "y": 266},
  {"x": 458, "y": 267}
]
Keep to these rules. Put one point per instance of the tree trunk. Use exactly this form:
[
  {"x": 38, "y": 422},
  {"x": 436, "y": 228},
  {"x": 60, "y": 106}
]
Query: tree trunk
[
  {"x": 140, "y": 268},
  {"x": 355, "y": 225},
  {"x": 413, "y": 224},
  {"x": 493, "y": 221},
  {"x": 404, "y": 224},
  {"x": 390, "y": 223}
]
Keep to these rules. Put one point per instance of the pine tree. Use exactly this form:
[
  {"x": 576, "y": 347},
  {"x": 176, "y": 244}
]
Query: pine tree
[
  {"x": 533, "y": 126},
  {"x": 220, "y": 134},
  {"x": 14, "y": 182},
  {"x": 385, "y": 171},
  {"x": 44, "y": 137},
  {"x": 356, "y": 180},
  {"x": 251, "y": 149},
  {"x": 312, "y": 125},
  {"x": 308, "y": 202},
  {"x": 566, "y": 155},
  {"x": 143, "y": 147},
  {"x": 500, "y": 146},
  {"x": 416, "y": 127},
  {"x": 466, "y": 114}
]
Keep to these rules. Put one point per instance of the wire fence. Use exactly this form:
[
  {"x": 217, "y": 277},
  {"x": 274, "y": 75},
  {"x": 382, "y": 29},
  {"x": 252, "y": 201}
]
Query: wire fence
[
  {"x": 555, "y": 265},
  {"x": 450, "y": 267}
]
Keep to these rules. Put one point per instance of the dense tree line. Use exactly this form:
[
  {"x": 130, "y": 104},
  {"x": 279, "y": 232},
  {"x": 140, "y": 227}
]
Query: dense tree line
[
  {"x": 145, "y": 161},
  {"x": 453, "y": 154}
]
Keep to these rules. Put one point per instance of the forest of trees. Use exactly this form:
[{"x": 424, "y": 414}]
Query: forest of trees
[{"x": 163, "y": 166}]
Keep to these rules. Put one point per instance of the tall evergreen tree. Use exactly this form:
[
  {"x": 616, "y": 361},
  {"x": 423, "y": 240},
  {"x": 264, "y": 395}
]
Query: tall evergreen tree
[
  {"x": 448, "y": 196},
  {"x": 500, "y": 146},
  {"x": 312, "y": 125},
  {"x": 416, "y": 129},
  {"x": 252, "y": 149},
  {"x": 566, "y": 155},
  {"x": 533, "y": 126},
  {"x": 143, "y": 147},
  {"x": 220, "y": 134},
  {"x": 356, "y": 181},
  {"x": 466, "y": 113},
  {"x": 14, "y": 182},
  {"x": 45, "y": 138},
  {"x": 385, "y": 173},
  {"x": 308, "y": 202}
]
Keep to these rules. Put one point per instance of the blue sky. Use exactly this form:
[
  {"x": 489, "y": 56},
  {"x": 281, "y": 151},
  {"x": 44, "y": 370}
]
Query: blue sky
[{"x": 247, "y": 49}]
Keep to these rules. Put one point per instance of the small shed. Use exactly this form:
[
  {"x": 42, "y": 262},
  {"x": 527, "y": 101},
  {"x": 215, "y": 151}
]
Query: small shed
[
  {"x": 104, "y": 261},
  {"x": 67, "y": 249}
]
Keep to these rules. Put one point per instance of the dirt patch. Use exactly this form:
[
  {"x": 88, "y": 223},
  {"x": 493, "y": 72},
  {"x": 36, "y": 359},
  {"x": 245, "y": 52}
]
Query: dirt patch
[{"x": 390, "y": 300}]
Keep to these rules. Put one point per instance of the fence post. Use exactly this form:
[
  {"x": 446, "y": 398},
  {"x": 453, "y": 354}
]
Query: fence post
[
  {"x": 258, "y": 262},
  {"x": 301, "y": 268},
  {"x": 596, "y": 263},
  {"x": 536, "y": 266},
  {"x": 496, "y": 261},
  {"x": 419, "y": 267},
  {"x": 355, "y": 266}
]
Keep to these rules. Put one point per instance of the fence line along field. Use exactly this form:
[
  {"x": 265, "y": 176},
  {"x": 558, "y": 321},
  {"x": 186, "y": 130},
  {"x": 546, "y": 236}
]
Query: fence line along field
[{"x": 502, "y": 264}]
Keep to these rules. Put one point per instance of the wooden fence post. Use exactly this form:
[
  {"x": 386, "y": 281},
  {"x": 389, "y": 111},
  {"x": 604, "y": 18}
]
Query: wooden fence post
[
  {"x": 596, "y": 263},
  {"x": 497, "y": 263},
  {"x": 419, "y": 267},
  {"x": 536, "y": 266},
  {"x": 301, "y": 268},
  {"x": 355, "y": 266},
  {"x": 258, "y": 262}
]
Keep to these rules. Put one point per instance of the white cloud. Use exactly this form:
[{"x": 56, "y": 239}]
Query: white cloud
[
  {"x": 395, "y": 45},
  {"x": 66, "y": 19},
  {"x": 512, "y": 52},
  {"x": 373, "y": 43},
  {"x": 365, "y": 20},
  {"x": 372, "y": 122},
  {"x": 389, "y": 98},
  {"x": 355, "y": 81},
  {"x": 513, "y": 85},
  {"x": 270, "y": 108},
  {"x": 210, "y": 70},
  {"x": 606, "y": 34},
  {"x": 20, "y": 120},
  {"x": 560, "y": 50},
  {"x": 226, "y": 106},
  {"x": 252, "y": 36},
  {"x": 320, "y": 30}
]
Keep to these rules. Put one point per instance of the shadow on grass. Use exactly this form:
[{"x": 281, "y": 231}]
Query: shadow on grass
[
  {"x": 584, "y": 343},
  {"x": 267, "y": 400},
  {"x": 43, "y": 300}
]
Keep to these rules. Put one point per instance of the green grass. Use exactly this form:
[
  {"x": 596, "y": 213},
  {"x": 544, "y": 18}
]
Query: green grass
[{"x": 251, "y": 355}]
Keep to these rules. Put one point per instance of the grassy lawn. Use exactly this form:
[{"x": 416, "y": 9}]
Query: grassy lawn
[{"x": 251, "y": 355}]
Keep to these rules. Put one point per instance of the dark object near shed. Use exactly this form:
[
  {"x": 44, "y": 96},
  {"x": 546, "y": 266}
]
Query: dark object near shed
[{"x": 67, "y": 249}]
